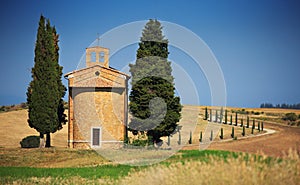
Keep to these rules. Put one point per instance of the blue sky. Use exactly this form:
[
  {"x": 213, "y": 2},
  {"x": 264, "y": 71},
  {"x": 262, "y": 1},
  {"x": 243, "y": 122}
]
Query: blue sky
[{"x": 257, "y": 43}]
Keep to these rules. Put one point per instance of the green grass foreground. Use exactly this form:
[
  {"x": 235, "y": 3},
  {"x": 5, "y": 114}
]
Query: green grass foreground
[{"x": 186, "y": 167}]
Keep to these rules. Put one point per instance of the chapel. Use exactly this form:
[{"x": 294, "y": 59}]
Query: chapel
[{"x": 98, "y": 103}]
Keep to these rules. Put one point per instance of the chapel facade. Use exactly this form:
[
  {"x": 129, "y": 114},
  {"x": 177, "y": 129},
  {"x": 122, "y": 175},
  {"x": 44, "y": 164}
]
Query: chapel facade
[{"x": 98, "y": 103}]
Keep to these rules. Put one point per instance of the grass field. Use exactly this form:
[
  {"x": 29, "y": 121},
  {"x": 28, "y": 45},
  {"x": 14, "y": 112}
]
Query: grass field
[
  {"x": 186, "y": 167},
  {"x": 60, "y": 165}
]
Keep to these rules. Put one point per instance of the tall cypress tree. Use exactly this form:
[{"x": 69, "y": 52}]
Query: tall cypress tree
[
  {"x": 152, "y": 78},
  {"x": 45, "y": 91}
]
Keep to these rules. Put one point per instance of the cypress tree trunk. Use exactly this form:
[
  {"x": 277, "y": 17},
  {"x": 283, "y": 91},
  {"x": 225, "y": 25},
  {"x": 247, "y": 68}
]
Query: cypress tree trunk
[
  {"x": 48, "y": 140},
  {"x": 42, "y": 141}
]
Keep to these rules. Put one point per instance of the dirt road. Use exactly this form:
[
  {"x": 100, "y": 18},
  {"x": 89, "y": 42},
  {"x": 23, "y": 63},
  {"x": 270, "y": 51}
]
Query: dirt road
[{"x": 272, "y": 145}]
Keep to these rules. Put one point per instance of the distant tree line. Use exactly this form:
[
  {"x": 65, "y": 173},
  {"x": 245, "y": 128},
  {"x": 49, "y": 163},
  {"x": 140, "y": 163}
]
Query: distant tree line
[{"x": 282, "y": 106}]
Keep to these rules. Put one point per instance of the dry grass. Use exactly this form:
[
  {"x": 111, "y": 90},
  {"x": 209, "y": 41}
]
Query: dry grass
[
  {"x": 14, "y": 128},
  {"x": 217, "y": 171},
  {"x": 227, "y": 130},
  {"x": 50, "y": 158},
  {"x": 60, "y": 180}
]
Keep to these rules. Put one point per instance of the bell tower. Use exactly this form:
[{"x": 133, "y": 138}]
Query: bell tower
[{"x": 97, "y": 56}]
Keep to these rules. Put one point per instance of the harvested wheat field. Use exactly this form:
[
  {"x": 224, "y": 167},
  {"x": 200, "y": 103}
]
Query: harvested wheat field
[
  {"x": 14, "y": 128},
  {"x": 276, "y": 144}
]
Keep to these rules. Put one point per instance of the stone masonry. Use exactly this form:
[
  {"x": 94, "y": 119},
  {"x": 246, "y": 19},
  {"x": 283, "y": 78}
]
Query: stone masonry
[{"x": 97, "y": 103}]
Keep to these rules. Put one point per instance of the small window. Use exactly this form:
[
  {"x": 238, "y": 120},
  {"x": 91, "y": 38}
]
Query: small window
[
  {"x": 93, "y": 56},
  {"x": 101, "y": 56}
]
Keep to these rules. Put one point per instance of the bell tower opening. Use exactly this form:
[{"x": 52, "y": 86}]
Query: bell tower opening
[{"x": 97, "y": 56}]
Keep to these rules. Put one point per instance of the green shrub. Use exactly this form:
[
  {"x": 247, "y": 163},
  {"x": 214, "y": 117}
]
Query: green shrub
[
  {"x": 30, "y": 142},
  {"x": 24, "y": 105},
  {"x": 139, "y": 142},
  {"x": 290, "y": 117},
  {"x": 3, "y": 109}
]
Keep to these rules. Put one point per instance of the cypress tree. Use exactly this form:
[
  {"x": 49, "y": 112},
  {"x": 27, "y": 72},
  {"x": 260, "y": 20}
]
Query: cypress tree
[
  {"x": 262, "y": 126},
  {"x": 247, "y": 122},
  {"x": 216, "y": 118},
  {"x": 244, "y": 132},
  {"x": 45, "y": 91},
  {"x": 242, "y": 122},
  {"x": 211, "y": 135},
  {"x": 232, "y": 132},
  {"x": 190, "y": 140},
  {"x": 152, "y": 78},
  {"x": 221, "y": 114},
  {"x": 206, "y": 114},
  {"x": 210, "y": 115},
  {"x": 225, "y": 116},
  {"x": 236, "y": 119},
  {"x": 200, "y": 139},
  {"x": 230, "y": 120},
  {"x": 221, "y": 135}
]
